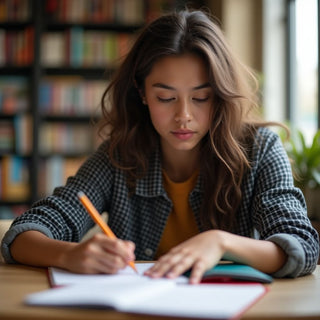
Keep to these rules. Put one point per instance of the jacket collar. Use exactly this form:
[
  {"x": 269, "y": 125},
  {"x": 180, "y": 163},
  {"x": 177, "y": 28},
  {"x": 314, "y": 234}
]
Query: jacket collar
[{"x": 152, "y": 185}]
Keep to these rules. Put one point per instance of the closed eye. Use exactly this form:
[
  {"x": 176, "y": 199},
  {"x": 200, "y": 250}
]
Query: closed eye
[
  {"x": 201, "y": 99},
  {"x": 165, "y": 100}
]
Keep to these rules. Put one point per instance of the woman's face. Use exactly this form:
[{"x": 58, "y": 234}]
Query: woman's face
[{"x": 179, "y": 98}]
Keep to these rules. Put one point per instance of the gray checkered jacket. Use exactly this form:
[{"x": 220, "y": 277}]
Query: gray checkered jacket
[{"x": 272, "y": 208}]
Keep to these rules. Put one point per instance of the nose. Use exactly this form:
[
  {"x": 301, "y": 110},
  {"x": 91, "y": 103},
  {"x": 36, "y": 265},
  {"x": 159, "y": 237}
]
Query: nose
[{"x": 183, "y": 112}]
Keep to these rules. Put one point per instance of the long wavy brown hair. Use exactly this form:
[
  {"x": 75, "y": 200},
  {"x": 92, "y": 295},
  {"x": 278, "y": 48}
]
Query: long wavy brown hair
[{"x": 225, "y": 149}]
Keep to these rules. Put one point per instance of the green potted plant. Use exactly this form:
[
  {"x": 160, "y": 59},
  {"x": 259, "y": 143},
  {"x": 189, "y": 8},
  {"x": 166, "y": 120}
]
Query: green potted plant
[{"x": 305, "y": 162}]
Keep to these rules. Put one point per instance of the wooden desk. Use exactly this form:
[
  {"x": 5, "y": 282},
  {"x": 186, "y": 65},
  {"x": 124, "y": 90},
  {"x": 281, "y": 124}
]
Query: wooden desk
[{"x": 287, "y": 298}]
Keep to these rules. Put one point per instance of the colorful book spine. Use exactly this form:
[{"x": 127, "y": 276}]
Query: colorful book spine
[
  {"x": 84, "y": 48},
  {"x": 15, "y": 10},
  {"x": 54, "y": 172},
  {"x": 69, "y": 96},
  {"x": 6, "y": 136},
  {"x": 23, "y": 134},
  {"x": 67, "y": 139},
  {"x": 128, "y": 12},
  {"x": 17, "y": 47},
  {"x": 14, "y": 178},
  {"x": 14, "y": 94}
]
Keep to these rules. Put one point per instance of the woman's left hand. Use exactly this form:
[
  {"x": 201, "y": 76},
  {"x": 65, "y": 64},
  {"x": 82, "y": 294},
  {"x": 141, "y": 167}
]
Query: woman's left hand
[{"x": 199, "y": 253}]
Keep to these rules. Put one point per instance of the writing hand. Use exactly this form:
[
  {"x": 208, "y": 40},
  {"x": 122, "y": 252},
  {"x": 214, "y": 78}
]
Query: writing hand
[
  {"x": 99, "y": 254},
  {"x": 199, "y": 253}
]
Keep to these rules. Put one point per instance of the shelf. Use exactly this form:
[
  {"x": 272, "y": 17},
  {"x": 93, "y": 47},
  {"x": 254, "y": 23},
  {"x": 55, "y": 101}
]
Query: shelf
[
  {"x": 11, "y": 153},
  {"x": 15, "y": 70},
  {"x": 69, "y": 118},
  {"x": 87, "y": 72},
  {"x": 61, "y": 26},
  {"x": 15, "y": 25},
  {"x": 11, "y": 115},
  {"x": 7, "y": 116}
]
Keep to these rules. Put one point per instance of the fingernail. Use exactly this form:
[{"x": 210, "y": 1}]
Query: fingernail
[
  {"x": 194, "y": 281},
  {"x": 170, "y": 275}
]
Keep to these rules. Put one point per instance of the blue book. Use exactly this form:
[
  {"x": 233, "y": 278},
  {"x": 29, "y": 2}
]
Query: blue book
[
  {"x": 76, "y": 47},
  {"x": 233, "y": 272}
]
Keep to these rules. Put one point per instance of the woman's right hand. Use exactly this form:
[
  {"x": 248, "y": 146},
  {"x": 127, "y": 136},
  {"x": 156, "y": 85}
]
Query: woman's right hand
[{"x": 99, "y": 254}]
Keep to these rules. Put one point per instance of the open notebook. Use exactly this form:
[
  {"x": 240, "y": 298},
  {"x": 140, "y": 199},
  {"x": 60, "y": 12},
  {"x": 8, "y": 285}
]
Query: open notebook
[
  {"x": 225, "y": 272},
  {"x": 135, "y": 293},
  {"x": 59, "y": 277}
]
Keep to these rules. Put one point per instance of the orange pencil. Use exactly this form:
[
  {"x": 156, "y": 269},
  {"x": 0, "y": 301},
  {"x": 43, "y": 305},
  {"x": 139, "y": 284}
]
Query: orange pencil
[{"x": 98, "y": 220}]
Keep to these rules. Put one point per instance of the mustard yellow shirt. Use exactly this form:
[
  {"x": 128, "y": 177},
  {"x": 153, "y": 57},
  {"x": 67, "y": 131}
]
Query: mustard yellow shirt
[{"x": 181, "y": 224}]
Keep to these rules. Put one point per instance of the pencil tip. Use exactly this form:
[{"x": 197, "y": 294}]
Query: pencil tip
[{"x": 134, "y": 267}]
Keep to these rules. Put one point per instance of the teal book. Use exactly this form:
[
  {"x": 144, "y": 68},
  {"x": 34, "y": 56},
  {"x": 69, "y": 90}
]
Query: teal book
[{"x": 233, "y": 272}]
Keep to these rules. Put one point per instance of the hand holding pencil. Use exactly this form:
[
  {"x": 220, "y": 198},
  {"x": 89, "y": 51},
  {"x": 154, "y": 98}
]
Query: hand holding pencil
[{"x": 98, "y": 220}]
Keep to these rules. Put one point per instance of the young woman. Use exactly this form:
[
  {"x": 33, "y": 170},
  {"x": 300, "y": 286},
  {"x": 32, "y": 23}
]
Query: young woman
[{"x": 187, "y": 172}]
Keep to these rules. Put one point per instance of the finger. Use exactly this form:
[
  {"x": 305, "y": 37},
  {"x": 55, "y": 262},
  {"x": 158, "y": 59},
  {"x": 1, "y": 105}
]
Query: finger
[
  {"x": 159, "y": 268},
  {"x": 184, "y": 264},
  {"x": 119, "y": 247},
  {"x": 106, "y": 262},
  {"x": 123, "y": 249},
  {"x": 131, "y": 246},
  {"x": 165, "y": 264},
  {"x": 197, "y": 272},
  {"x": 110, "y": 263},
  {"x": 96, "y": 263},
  {"x": 130, "y": 250},
  {"x": 99, "y": 255}
]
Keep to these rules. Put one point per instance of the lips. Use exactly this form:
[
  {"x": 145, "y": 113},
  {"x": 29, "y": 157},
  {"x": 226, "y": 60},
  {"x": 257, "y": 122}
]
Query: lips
[{"x": 183, "y": 134}]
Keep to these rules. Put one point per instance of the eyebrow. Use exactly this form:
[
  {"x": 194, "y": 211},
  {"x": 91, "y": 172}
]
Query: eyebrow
[{"x": 164, "y": 86}]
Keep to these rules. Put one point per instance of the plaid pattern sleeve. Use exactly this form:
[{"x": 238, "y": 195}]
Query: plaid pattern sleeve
[{"x": 276, "y": 209}]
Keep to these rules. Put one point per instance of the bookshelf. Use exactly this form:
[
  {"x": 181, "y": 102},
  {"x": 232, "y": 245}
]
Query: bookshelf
[
  {"x": 56, "y": 57},
  {"x": 17, "y": 32}
]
